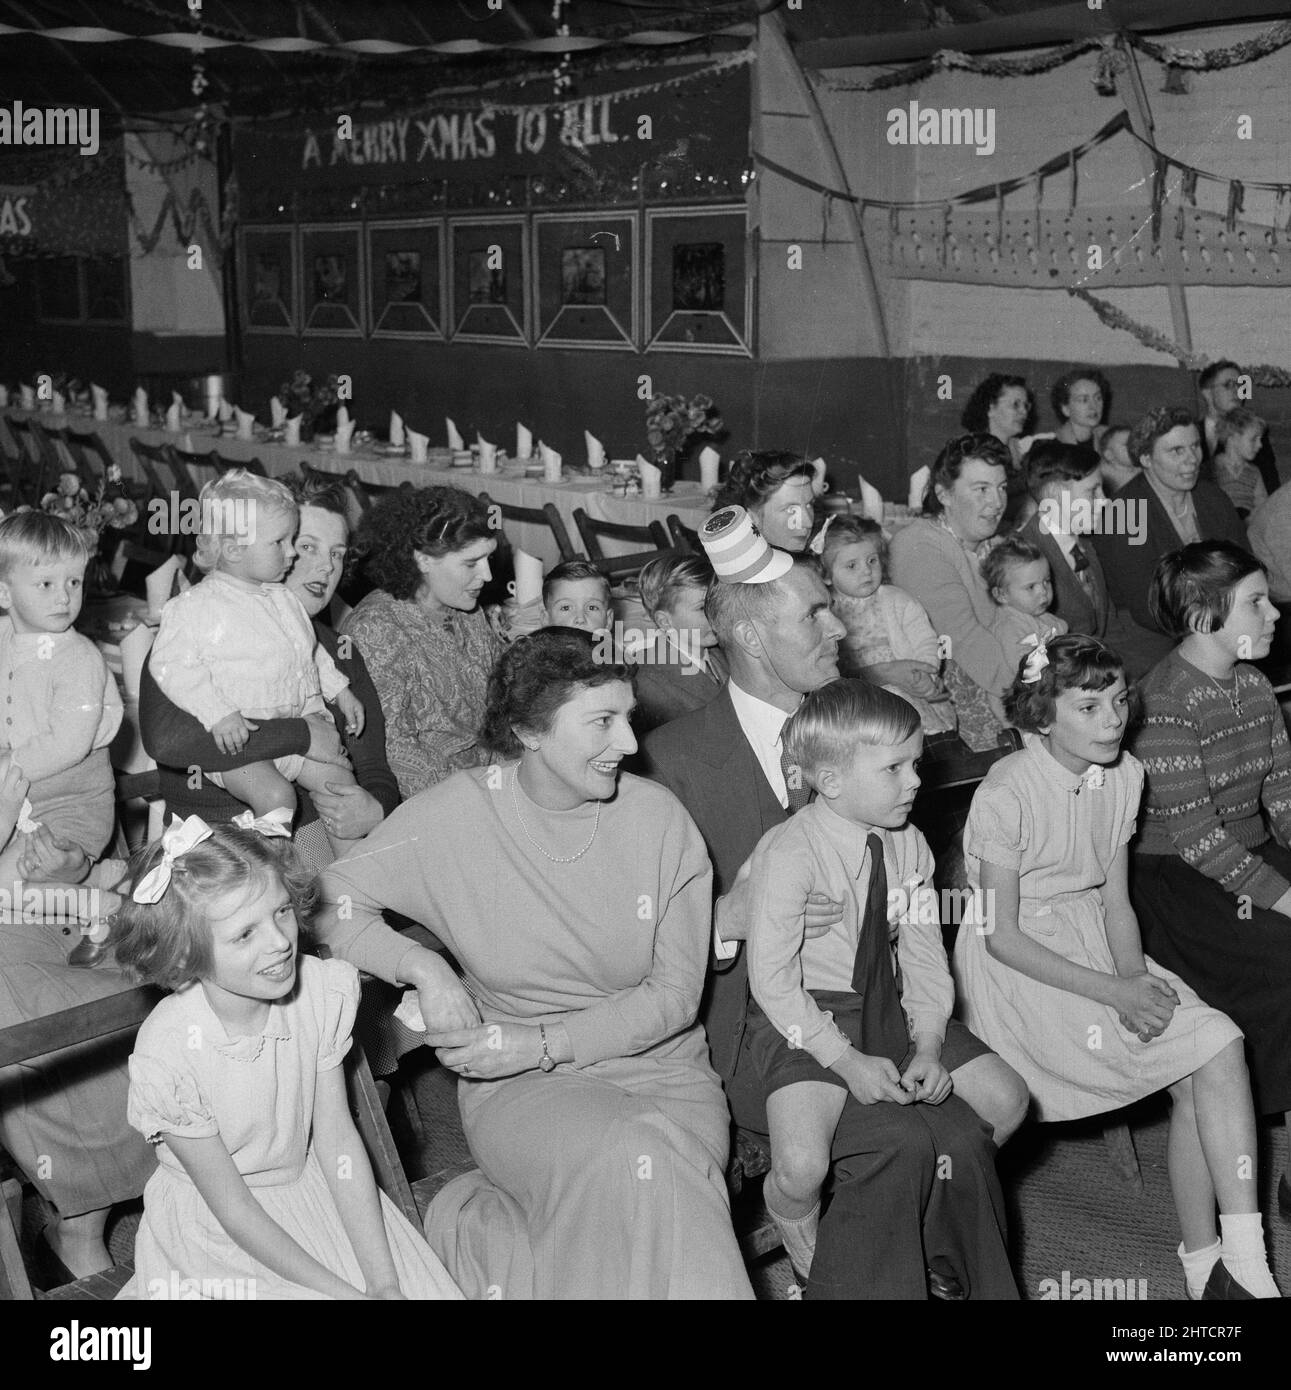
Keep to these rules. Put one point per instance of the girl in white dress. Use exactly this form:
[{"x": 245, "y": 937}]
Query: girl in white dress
[
  {"x": 263, "y": 1189},
  {"x": 1052, "y": 971}
]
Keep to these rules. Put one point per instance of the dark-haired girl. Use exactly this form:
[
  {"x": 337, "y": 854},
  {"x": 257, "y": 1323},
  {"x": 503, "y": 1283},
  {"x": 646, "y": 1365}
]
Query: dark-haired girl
[
  {"x": 1053, "y": 973},
  {"x": 778, "y": 490},
  {"x": 577, "y": 901},
  {"x": 1212, "y": 887},
  {"x": 427, "y": 643}
]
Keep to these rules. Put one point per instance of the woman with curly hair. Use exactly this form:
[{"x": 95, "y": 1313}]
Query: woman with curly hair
[
  {"x": 1080, "y": 399},
  {"x": 427, "y": 643},
  {"x": 777, "y": 489}
]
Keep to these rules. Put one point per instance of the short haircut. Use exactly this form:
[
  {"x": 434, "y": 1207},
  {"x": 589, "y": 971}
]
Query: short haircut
[
  {"x": 1060, "y": 395},
  {"x": 1105, "y": 443},
  {"x": 1152, "y": 426},
  {"x": 433, "y": 521},
  {"x": 976, "y": 415},
  {"x": 1076, "y": 662},
  {"x": 832, "y": 722},
  {"x": 662, "y": 580},
  {"x": 217, "y": 503},
  {"x": 169, "y": 942},
  {"x": 321, "y": 491},
  {"x": 1192, "y": 588},
  {"x": 572, "y": 572},
  {"x": 848, "y": 530},
  {"x": 950, "y": 463},
  {"x": 538, "y": 674},
  {"x": 1235, "y": 423},
  {"x": 758, "y": 474},
  {"x": 1208, "y": 374},
  {"x": 35, "y": 537},
  {"x": 1007, "y": 554},
  {"x": 1051, "y": 461},
  {"x": 730, "y": 604}
]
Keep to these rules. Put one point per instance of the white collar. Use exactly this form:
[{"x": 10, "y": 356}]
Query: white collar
[{"x": 757, "y": 718}]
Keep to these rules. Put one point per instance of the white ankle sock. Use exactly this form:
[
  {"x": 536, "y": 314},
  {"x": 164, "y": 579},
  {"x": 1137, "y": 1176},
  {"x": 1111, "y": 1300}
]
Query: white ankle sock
[
  {"x": 799, "y": 1236},
  {"x": 1244, "y": 1254},
  {"x": 1197, "y": 1265}
]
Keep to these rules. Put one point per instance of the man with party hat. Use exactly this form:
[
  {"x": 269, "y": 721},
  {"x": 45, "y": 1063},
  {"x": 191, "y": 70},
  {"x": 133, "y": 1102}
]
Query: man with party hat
[{"x": 725, "y": 763}]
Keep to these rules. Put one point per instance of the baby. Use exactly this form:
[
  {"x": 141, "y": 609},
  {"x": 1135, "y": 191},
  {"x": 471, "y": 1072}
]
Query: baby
[
  {"x": 1021, "y": 585},
  {"x": 239, "y": 646}
]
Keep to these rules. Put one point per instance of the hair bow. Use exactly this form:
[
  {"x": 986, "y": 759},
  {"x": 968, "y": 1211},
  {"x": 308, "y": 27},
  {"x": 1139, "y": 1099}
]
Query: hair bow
[
  {"x": 277, "y": 823},
  {"x": 817, "y": 545},
  {"x": 1036, "y": 661},
  {"x": 178, "y": 839}
]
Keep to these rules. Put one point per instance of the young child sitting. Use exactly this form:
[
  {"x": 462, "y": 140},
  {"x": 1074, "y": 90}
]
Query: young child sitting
[
  {"x": 57, "y": 806},
  {"x": 1020, "y": 583},
  {"x": 263, "y": 1189},
  {"x": 239, "y": 646},
  {"x": 889, "y": 638},
  {"x": 1053, "y": 974},
  {"x": 682, "y": 668},
  {"x": 831, "y": 1026},
  {"x": 576, "y": 594},
  {"x": 1238, "y": 436},
  {"x": 1114, "y": 461}
]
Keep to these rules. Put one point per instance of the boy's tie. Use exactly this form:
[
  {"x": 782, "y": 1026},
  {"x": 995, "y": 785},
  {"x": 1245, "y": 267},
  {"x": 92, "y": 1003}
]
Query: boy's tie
[
  {"x": 1080, "y": 563},
  {"x": 884, "y": 1031}
]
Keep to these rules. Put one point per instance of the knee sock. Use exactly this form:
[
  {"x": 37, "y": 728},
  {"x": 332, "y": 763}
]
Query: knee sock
[
  {"x": 799, "y": 1236},
  {"x": 1244, "y": 1254},
  {"x": 1197, "y": 1265}
]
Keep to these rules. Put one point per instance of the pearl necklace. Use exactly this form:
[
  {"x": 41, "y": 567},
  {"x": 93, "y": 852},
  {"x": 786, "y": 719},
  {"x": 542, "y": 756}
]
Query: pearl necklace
[{"x": 555, "y": 858}]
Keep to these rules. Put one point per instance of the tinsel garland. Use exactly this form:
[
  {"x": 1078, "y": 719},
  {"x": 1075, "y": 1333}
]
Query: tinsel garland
[
  {"x": 1112, "y": 317},
  {"x": 1216, "y": 59},
  {"x": 198, "y": 208}
]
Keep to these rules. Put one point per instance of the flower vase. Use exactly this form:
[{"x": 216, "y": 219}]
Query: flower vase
[{"x": 100, "y": 582}]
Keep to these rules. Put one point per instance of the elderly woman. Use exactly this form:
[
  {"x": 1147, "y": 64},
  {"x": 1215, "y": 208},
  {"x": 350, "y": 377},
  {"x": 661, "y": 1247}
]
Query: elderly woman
[
  {"x": 1212, "y": 889},
  {"x": 179, "y": 742},
  {"x": 937, "y": 559},
  {"x": 576, "y": 899},
  {"x": 778, "y": 491},
  {"x": 1080, "y": 399},
  {"x": 426, "y": 640},
  {"x": 1165, "y": 507}
]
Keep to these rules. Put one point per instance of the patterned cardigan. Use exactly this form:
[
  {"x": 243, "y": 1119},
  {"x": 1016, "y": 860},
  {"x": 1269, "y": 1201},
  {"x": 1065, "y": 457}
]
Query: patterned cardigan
[{"x": 430, "y": 675}]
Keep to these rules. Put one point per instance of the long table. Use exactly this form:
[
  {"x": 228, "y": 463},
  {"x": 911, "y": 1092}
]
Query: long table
[{"x": 688, "y": 500}]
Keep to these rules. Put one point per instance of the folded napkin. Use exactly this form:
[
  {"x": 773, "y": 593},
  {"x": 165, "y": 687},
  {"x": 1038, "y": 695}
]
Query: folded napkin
[
  {"x": 488, "y": 455},
  {"x": 141, "y": 408},
  {"x": 100, "y": 402},
  {"x": 551, "y": 464},
  {"x": 188, "y": 444},
  {"x": 454, "y": 438},
  {"x": 819, "y": 482},
  {"x": 246, "y": 423},
  {"x": 4, "y": 396},
  {"x": 225, "y": 411},
  {"x": 292, "y": 436},
  {"x": 871, "y": 501},
  {"x": 165, "y": 580},
  {"x": 397, "y": 437},
  {"x": 918, "y": 486},
  {"x": 528, "y": 573},
  {"x": 278, "y": 412},
  {"x": 524, "y": 442},
  {"x": 344, "y": 433},
  {"x": 417, "y": 443},
  {"x": 651, "y": 478},
  {"x": 28, "y": 396},
  {"x": 595, "y": 450},
  {"x": 710, "y": 466},
  {"x": 59, "y": 403},
  {"x": 173, "y": 414}
]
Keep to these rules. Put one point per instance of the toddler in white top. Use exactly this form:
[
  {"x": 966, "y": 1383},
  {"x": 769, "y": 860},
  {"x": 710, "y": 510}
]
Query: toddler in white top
[
  {"x": 1021, "y": 585},
  {"x": 240, "y": 646}
]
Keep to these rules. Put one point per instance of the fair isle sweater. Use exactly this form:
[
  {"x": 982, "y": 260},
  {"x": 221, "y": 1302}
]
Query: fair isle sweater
[{"x": 1209, "y": 771}]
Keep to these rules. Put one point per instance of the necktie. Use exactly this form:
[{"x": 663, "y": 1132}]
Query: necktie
[
  {"x": 799, "y": 793},
  {"x": 1080, "y": 563},
  {"x": 884, "y": 1031}
]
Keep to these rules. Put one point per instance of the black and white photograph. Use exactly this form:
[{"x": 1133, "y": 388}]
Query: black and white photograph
[{"x": 647, "y": 659}]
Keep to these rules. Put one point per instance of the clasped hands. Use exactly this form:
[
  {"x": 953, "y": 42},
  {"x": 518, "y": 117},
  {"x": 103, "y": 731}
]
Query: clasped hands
[
  {"x": 462, "y": 1043},
  {"x": 1144, "y": 1005},
  {"x": 873, "y": 1079}
]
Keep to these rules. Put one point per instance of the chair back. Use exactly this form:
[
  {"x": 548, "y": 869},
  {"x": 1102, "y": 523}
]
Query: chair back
[
  {"x": 683, "y": 538},
  {"x": 619, "y": 567},
  {"x": 545, "y": 516},
  {"x": 41, "y": 463}
]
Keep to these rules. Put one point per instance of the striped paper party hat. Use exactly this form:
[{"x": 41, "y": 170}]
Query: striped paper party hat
[{"x": 738, "y": 551}]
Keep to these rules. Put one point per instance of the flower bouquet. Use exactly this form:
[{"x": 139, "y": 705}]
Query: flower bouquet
[
  {"x": 92, "y": 515},
  {"x": 314, "y": 404},
  {"x": 671, "y": 422}
]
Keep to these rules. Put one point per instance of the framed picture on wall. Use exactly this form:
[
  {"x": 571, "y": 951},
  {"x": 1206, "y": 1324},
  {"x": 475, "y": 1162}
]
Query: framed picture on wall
[
  {"x": 332, "y": 259},
  {"x": 699, "y": 294},
  {"x": 268, "y": 279},
  {"x": 585, "y": 280},
  {"x": 406, "y": 279},
  {"x": 489, "y": 279}
]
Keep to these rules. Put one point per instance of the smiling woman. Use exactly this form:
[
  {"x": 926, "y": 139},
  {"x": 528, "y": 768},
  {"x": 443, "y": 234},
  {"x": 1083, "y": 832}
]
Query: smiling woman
[{"x": 576, "y": 899}]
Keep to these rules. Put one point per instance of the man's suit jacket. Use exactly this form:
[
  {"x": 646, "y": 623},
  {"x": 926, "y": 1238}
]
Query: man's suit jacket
[
  {"x": 704, "y": 759},
  {"x": 1083, "y": 612},
  {"x": 1129, "y": 566},
  {"x": 668, "y": 689}
]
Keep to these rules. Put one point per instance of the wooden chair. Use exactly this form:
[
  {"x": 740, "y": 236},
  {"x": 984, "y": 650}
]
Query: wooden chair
[
  {"x": 684, "y": 539},
  {"x": 40, "y": 464},
  {"x": 619, "y": 567},
  {"x": 546, "y": 515},
  {"x": 226, "y": 465}
]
